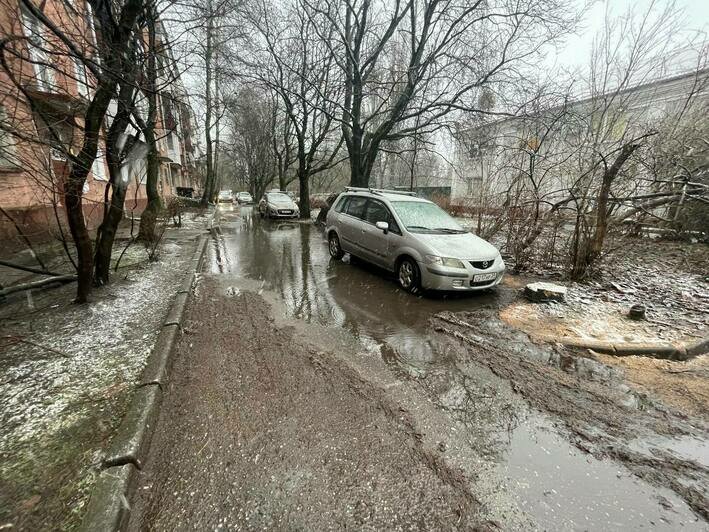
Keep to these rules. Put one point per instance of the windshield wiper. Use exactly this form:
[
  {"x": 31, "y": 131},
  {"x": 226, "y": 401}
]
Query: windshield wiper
[
  {"x": 450, "y": 231},
  {"x": 420, "y": 227}
]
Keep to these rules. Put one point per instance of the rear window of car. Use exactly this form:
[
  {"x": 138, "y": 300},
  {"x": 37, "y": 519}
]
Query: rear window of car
[
  {"x": 355, "y": 207},
  {"x": 340, "y": 205}
]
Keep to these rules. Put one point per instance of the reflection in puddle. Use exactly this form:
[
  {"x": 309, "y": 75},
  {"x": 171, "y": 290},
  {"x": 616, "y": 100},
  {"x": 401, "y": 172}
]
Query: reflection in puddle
[
  {"x": 683, "y": 447},
  {"x": 568, "y": 490}
]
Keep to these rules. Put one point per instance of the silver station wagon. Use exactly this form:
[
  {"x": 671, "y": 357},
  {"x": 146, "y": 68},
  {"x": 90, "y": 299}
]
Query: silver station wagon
[{"x": 412, "y": 237}]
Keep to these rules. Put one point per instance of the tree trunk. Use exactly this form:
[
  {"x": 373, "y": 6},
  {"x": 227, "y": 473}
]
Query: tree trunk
[
  {"x": 588, "y": 248},
  {"x": 304, "y": 187},
  {"x": 73, "y": 191},
  {"x": 113, "y": 213},
  {"x": 74, "y": 188},
  {"x": 208, "y": 191},
  {"x": 149, "y": 216},
  {"x": 107, "y": 232}
]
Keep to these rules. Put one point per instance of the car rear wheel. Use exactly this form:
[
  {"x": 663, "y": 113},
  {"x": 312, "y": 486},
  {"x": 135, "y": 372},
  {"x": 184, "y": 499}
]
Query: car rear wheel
[
  {"x": 333, "y": 244},
  {"x": 409, "y": 275}
]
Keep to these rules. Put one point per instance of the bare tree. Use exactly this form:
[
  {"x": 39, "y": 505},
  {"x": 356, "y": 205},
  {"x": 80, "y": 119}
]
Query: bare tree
[
  {"x": 115, "y": 24},
  {"x": 298, "y": 66},
  {"x": 448, "y": 51},
  {"x": 584, "y": 153},
  {"x": 249, "y": 114}
]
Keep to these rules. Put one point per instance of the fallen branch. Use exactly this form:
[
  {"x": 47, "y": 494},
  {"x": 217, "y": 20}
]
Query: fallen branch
[
  {"x": 21, "y": 340},
  {"x": 61, "y": 279},
  {"x": 28, "y": 269}
]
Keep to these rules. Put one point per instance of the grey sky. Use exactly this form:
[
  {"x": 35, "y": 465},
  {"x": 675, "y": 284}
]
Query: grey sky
[{"x": 575, "y": 52}]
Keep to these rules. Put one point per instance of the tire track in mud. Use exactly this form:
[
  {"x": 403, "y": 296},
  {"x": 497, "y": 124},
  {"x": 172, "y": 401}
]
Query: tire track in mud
[
  {"x": 594, "y": 412},
  {"x": 273, "y": 433},
  {"x": 402, "y": 417}
]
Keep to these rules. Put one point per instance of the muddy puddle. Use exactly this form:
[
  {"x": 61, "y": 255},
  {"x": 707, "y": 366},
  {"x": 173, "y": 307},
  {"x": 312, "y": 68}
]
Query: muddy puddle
[{"x": 520, "y": 461}]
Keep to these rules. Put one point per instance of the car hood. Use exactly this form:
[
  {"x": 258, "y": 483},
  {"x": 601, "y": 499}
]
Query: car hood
[{"x": 460, "y": 246}]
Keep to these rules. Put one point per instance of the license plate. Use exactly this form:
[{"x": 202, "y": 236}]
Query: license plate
[
  {"x": 484, "y": 277},
  {"x": 286, "y": 212}
]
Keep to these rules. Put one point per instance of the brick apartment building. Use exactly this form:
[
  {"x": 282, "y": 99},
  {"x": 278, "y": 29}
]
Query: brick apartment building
[{"x": 31, "y": 169}]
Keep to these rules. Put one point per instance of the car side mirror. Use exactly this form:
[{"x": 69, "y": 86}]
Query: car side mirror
[{"x": 383, "y": 226}]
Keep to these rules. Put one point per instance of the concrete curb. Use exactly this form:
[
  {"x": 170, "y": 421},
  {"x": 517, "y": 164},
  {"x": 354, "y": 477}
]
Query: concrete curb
[
  {"x": 664, "y": 350},
  {"x": 108, "y": 508}
]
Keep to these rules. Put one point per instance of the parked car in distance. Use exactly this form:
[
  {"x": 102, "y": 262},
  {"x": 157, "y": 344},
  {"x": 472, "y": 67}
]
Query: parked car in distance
[
  {"x": 277, "y": 204},
  {"x": 225, "y": 196},
  {"x": 244, "y": 198},
  {"x": 412, "y": 237}
]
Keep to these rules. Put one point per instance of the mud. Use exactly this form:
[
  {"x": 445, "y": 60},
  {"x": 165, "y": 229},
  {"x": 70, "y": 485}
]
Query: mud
[
  {"x": 683, "y": 386},
  {"x": 259, "y": 431},
  {"x": 603, "y": 415},
  {"x": 531, "y": 437}
]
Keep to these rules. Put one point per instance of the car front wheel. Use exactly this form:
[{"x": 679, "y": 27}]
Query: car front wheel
[
  {"x": 409, "y": 275},
  {"x": 334, "y": 247}
]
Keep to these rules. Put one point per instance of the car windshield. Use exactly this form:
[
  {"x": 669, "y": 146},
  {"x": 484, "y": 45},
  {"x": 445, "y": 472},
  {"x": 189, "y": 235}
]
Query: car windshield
[
  {"x": 424, "y": 217},
  {"x": 225, "y": 193},
  {"x": 274, "y": 196}
]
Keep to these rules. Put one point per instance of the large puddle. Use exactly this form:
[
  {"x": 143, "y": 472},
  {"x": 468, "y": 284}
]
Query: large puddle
[{"x": 522, "y": 456}]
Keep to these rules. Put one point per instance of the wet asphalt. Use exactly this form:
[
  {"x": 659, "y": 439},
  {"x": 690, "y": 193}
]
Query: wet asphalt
[{"x": 316, "y": 397}]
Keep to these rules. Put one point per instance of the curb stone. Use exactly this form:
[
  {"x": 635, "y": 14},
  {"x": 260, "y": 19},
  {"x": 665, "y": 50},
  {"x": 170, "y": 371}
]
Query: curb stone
[
  {"x": 174, "y": 316},
  {"x": 157, "y": 368},
  {"x": 130, "y": 445},
  {"x": 108, "y": 508}
]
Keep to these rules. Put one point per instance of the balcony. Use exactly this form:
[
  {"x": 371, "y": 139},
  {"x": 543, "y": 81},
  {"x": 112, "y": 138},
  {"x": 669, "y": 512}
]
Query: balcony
[{"x": 58, "y": 103}]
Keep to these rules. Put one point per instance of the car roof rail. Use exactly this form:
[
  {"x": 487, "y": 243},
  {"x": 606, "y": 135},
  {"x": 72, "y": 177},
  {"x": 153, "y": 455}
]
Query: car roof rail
[{"x": 380, "y": 191}]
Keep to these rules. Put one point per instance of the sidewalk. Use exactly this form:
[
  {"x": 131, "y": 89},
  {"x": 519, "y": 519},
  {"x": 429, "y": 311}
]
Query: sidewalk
[{"x": 67, "y": 374}]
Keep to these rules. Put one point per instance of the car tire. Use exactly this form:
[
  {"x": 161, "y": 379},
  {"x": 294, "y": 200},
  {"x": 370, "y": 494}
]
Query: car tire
[
  {"x": 408, "y": 275},
  {"x": 333, "y": 245}
]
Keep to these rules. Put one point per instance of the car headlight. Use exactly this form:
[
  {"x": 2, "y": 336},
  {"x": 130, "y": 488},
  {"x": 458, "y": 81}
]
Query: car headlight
[{"x": 445, "y": 261}]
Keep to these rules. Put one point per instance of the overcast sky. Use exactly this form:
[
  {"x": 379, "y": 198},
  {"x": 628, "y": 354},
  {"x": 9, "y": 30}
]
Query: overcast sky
[{"x": 577, "y": 49}]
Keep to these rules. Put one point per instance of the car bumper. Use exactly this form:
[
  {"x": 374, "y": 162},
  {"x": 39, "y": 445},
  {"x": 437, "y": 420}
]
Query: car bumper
[{"x": 433, "y": 278}]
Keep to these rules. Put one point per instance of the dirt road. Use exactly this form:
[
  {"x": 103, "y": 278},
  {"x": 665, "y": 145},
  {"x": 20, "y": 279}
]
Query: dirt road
[{"x": 259, "y": 431}]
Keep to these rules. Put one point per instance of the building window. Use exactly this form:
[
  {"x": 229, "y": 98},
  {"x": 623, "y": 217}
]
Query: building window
[
  {"x": 39, "y": 56},
  {"x": 82, "y": 85},
  {"x": 7, "y": 143},
  {"x": 98, "y": 169},
  {"x": 91, "y": 26}
]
